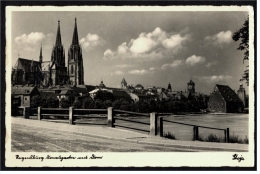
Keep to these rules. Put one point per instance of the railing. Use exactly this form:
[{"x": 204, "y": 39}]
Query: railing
[
  {"x": 195, "y": 129},
  {"x": 110, "y": 114},
  {"x": 128, "y": 120}
]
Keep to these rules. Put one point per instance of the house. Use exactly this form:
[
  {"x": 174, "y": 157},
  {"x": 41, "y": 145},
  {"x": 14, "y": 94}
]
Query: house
[
  {"x": 223, "y": 99},
  {"x": 139, "y": 97},
  {"x": 93, "y": 93},
  {"x": 139, "y": 87},
  {"x": 69, "y": 94},
  {"x": 241, "y": 92},
  {"x": 24, "y": 94},
  {"x": 119, "y": 94}
]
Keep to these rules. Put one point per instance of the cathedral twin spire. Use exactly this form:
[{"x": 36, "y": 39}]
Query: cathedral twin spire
[
  {"x": 75, "y": 39},
  {"x": 58, "y": 37}
]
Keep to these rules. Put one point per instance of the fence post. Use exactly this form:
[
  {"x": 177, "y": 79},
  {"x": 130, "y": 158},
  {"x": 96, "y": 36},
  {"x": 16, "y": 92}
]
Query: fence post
[
  {"x": 194, "y": 133},
  {"x": 110, "y": 117},
  {"x": 39, "y": 113},
  {"x": 197, "y": 132},
  {"x": 26, "y": 112},
  {"x": 227, "y": 135},
  {"x": 153, "y": 123},
  {"x": 160, "y": 126},
  {"x": 71, "y": 119}
]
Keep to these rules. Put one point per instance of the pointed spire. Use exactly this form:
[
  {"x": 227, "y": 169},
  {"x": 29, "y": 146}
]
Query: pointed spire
[
  {"x": 32, "y": 64},
  {"x": 40, "y": 57},
  {"x": 58, "y": 37},
  {"x": 75, "y": 39}
]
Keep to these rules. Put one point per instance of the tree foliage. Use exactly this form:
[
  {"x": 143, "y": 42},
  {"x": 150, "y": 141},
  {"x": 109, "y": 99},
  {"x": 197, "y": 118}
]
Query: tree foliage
[
  {"x": 77, "y": 104},
  {"x": 104, "y": 95},
  {"x": 243, "y": 34},
  {"x": 49, "y": 102},
  {"x": 64, "y": 103}
]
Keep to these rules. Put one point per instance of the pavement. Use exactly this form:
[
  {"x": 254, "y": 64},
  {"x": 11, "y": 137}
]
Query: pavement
[{"x": 128, "y": 135}]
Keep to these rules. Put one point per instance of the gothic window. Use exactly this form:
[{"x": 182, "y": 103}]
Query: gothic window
[{"x": 71, "y": 69}]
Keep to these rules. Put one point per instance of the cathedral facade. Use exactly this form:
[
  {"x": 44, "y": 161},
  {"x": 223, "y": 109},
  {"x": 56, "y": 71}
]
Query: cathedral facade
[{"x": 53, "y": 72}]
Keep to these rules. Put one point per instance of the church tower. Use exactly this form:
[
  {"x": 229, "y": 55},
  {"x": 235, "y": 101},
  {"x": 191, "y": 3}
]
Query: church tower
[
  {"x": 169, "y": 87},
  {"x": 191, "y": 87},
  {"x": 75, "y": 60},
  {"x": 123, "y": 84},
  {"x": 40, "y": 57},
  {"x": 241, "y": 92},
  {"x": 58, "y": 52}
]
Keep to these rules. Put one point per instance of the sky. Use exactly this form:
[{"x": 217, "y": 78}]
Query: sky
[{"x": 152, "y": 48}]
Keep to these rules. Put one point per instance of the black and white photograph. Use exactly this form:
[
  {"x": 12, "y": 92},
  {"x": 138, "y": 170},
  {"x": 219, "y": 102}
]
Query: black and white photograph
[{"x": 99, "y": 86}]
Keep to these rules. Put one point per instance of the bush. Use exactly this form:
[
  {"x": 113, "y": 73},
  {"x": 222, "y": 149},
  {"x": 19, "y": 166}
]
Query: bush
[
  {"x": 236, "y": 139},
  {"x": 76, "y": 104},
  {"x": 169, "y": 135},
  {"x": 246, "y": 141},
  {"x": 98, "y": 104},
  {"x": 64, "y": 103},
  {"x": 213, "y": 138},
  {"x": 51, "y": 103},
  {"x": 104, "y": 95},
  {"x": 36, "y": 101},
  {"x": 87, "y": 103}
]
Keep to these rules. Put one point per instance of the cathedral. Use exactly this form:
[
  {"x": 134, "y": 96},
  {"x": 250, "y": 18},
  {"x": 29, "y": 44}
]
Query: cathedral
[{"x": 54, "y": 72}]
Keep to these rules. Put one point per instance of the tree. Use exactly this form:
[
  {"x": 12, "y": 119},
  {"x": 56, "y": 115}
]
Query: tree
[
  {"x": 243, "y": 34},
  {"x": 50, "y": 102},
  {"x": 64, "y": 103},
  {"x": 76, "y": 104},
  {"x": 36, "y": 101},
  {"x": 104, "y": 95},
  {"x": 98, "y": 104},
  {"x": 87, "y": 103}
]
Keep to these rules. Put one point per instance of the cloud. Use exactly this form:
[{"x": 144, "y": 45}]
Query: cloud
[
  {"x": 109, "y": 55},
  {"x": 195, "y": 60},
  {"x": 214, "y": 78},
  {"x": 117, "y": 73},
  {"x": 138, "y": 72},
  {"x": 221, "y": 38},
  {"x": 150, "y": 46},
  {"x": 31, "y": 38},
  {"x": 175, "y": 63},
  {"x": 210, "y": 64},
  {"x": 174, "y": 41},
  {"x": 91, "y": 41},
  {"x": 26, "y": 43},
  {"x": 124, "y": 66}
]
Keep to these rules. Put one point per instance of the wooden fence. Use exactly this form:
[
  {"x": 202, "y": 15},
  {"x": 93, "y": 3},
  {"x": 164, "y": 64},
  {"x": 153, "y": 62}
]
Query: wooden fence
[{"x": 111, "y": 115}]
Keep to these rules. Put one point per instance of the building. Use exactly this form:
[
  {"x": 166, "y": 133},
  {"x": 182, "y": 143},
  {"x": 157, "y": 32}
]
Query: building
[
  {"x": 140, "y": 97},
  {"x": 241, "y": 92},
  {"x": 24, "y": 94},
  {"x": 223, "y": 99},
  {"x": 54, "y": 72},
  {"x": 75, "y": 61},
  {"x": 169, "y": 88},
  {"x": 191, "y": 87},
  {"x": 26, "y": 72},
  {"x": 139, "y": 87},
  {"x": 123, "y": 84}
]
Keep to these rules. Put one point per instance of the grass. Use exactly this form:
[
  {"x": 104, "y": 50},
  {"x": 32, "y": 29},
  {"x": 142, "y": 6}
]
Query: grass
[
  {"x": 235, "y": 139},
  {"x": 215, "y": 138},
  {"x": 169, "y": 135}
]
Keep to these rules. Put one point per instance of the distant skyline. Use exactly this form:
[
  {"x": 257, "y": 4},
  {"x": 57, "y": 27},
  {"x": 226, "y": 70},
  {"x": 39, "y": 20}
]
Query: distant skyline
[{"x": 148, "y": 48}]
